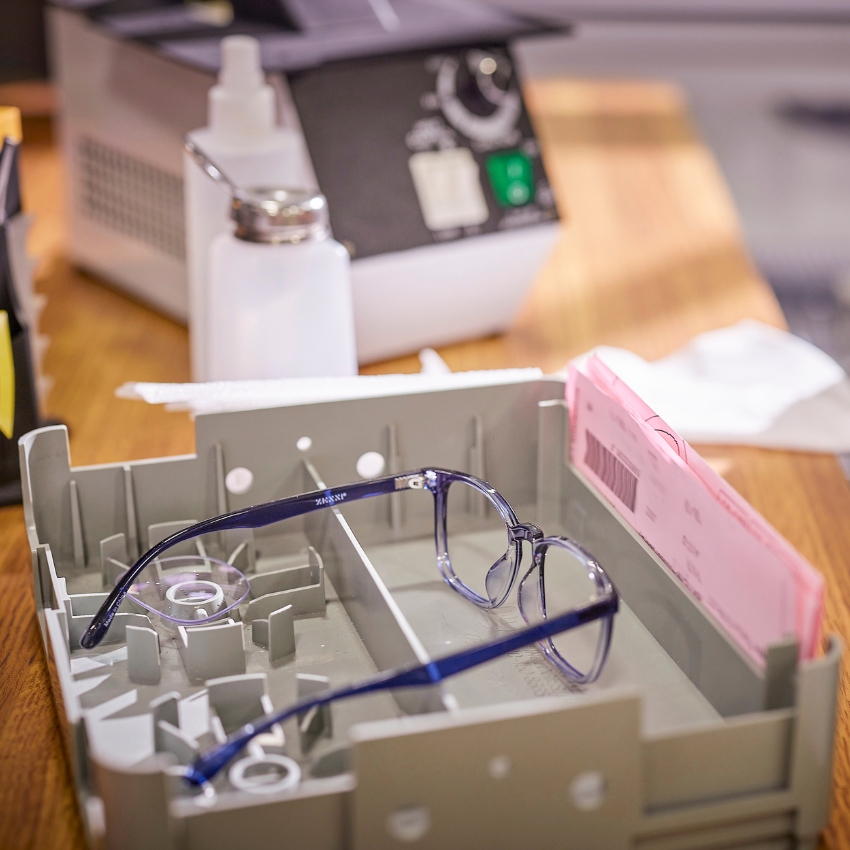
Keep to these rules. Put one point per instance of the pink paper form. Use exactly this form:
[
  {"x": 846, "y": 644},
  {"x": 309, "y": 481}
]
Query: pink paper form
[{"x": 754, "y": 583}]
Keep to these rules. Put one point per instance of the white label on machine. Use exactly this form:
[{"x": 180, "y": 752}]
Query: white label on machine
[{"x": 448, "y": 187}]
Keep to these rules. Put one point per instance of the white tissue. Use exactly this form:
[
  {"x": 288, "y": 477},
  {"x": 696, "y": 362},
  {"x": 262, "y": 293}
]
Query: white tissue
[{"x": 748, "y": 384}]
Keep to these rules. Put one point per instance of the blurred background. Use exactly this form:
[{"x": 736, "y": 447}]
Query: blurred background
[
  {"x": 767, "y": 83},
  {"x": 768, "y": 88}
]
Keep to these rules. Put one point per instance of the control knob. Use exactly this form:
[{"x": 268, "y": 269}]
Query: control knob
[{"x": 478, "y": 96}]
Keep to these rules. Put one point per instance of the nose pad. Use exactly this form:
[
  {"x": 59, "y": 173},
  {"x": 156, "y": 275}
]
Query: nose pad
[
  {"x": 530, "y": 603},
  {"x": 498, "y": 579}
]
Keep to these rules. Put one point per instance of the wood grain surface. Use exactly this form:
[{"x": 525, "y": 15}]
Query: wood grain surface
[{"x": 650, "y": 255}]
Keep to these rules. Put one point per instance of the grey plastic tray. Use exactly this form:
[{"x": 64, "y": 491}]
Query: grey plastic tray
[{"x": 682, "y": 743}]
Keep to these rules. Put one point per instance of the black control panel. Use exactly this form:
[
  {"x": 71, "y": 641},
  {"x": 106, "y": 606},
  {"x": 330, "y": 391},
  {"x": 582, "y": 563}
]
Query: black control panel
[{"x": 422, "y": 148}]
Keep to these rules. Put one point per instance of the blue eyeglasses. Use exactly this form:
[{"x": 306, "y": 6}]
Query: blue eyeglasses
[{"x": 566, "y": 598}]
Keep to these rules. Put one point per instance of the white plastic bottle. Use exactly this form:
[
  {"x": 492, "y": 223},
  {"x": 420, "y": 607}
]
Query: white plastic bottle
[
  {"x": 280, "y": 292},
  {"x": 243, "y": 138}
]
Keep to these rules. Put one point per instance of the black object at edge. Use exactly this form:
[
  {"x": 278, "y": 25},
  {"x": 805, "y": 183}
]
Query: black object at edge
[{"x": 26, "y": 401}]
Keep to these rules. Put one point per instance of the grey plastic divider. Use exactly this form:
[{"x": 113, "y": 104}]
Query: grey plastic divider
[
  {"x": 762, "y": 744},
  {"x": 382, "y": 627},
  {"x": 545, "y": 749},
  {"x": 428, "y": 428}
]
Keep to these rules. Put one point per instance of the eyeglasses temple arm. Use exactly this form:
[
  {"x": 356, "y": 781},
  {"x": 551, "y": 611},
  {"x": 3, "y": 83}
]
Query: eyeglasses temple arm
[
  {"x": 207, "y": 765},
  {"x": 253, "y": 517},
  {"x": 450, "y": 665}
]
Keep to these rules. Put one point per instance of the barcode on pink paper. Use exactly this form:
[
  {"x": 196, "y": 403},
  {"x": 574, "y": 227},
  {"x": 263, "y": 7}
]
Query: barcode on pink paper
[{"x": 611, "y": 471}]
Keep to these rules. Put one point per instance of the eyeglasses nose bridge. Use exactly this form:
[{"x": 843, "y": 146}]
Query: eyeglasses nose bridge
[{"x": 525, "y": 531}]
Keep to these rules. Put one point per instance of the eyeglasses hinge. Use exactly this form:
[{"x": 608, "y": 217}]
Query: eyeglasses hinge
[{"x": 410, "y": 482}]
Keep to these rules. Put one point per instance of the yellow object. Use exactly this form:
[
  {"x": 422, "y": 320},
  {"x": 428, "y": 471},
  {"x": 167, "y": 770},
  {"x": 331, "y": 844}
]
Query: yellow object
[
  {"x": 7, "y": 378},
  {"x": 10, "y": 122}
]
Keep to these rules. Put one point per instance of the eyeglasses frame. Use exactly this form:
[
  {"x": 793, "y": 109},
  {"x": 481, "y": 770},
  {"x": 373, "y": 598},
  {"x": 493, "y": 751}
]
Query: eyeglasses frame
[{"x": 602, "y": 607}]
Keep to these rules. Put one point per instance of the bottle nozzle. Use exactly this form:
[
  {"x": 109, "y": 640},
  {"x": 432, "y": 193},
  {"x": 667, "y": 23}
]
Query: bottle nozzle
[
  {"x": 242, "y": 104},
  {"x": 240, "y": 63}
]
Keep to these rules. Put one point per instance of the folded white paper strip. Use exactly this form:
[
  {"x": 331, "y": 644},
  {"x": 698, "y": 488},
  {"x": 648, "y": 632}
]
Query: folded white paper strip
[
  {"x": 249, "y": 395},
  {"x": 748, "y": 384}
]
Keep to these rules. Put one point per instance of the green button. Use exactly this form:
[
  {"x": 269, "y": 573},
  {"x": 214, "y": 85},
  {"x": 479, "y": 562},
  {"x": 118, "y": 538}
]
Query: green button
[{"x": 512, "y": 178}]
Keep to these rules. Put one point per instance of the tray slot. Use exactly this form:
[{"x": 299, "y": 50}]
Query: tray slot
[
  {"x": 304, "y": 601},
  {"x": 314, "y": 816},
  {"x": 114, "y": 559},
  {"x": 444, "y": 620},
  {"x": 780, "y": 674},
  {"x": 77, "y": 528},
  {"x": 237, "y": 700},
  {"x": 300, "y": 587},
  {"x": 746, "y": 755},
  {"x": 239, "y": 550},
  {"x": 276, "y": 633},
  {"x": 478, "y": 506},
  {"x": 80, "y": 607},
  {"x": 552, "y": 427},
  {"x": 317, "y": 722},
  {"x": 43, "y": 577},
  {"x": 764, "y": 832},
  {"x": 212, "y": 651},
  {"x": 817, "y": 687},
  {"x": 130, "y": 509},
  {"x": 395, "y": 464},
  {"x": 160, "y": 530},
  {"x": 143, "y": 655},
  {"x": 685, "y": 631},
  {"x": 384, "y": 630}
]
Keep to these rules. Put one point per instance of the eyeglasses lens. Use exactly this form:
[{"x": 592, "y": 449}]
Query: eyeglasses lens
[
  {"x": 567, "y": 583},
  {"x": 478, "y": 540}
]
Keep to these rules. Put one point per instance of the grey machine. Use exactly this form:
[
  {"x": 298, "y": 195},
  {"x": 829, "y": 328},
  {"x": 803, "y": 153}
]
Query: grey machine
[{"x": 432, "y": 170}]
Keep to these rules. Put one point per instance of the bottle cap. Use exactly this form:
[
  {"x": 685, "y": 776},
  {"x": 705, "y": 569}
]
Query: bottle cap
[
  {"x": 280, "y": 215},
  {"x": 242, "y": 104}
]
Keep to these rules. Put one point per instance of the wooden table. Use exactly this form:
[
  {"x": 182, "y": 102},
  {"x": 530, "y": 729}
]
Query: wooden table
[{"x": 650, "y": 257}]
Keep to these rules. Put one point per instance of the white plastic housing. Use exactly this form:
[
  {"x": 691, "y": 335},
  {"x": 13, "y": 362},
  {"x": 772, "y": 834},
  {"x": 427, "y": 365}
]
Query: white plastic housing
[{"x": 445, "y": 293}]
